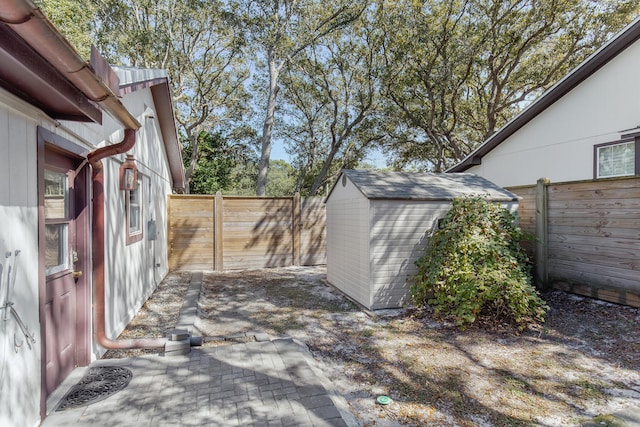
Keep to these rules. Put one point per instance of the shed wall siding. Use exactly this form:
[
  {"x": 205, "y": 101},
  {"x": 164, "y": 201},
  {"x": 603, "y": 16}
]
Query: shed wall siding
[
  {"x": 348, "y": 243},
  {"x": 398, "y": 238},
  {"x": 558, "y": 143},
  {"x": 19, "y": 366}
]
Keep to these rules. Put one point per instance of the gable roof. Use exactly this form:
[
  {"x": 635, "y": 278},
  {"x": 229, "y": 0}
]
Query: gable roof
[
  {"x": 381, "y": 185},
  {"x": 132, "y": 79},
  {"x": 593, "y": 63}
]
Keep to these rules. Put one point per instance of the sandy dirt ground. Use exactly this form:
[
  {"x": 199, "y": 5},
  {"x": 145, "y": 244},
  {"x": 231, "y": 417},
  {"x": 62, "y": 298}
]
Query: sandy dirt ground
[{"x": 581, "y": 368}]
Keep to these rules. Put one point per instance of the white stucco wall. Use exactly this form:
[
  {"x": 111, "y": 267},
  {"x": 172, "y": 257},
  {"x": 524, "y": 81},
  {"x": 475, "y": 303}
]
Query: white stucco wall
[
  {"x": 19, "y": 361},
  {"x": 348, "y": 266},
  {"x": 558, "y": 143}
]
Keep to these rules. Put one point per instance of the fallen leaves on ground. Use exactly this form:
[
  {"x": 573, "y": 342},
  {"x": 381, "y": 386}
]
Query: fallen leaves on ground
[{"x": 583, "y": 362}]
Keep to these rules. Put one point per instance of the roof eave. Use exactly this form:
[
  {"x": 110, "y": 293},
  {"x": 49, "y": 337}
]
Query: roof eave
[
  {"x": 164, "y": 108},
  {"x": 33, "y": 79},
  {"x": 28, "y": 22},
  {"x": 161, "y": 93}
]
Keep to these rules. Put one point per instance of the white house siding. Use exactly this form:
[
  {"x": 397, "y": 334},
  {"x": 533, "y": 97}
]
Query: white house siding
[
  {"x": 558, "y": 143},
  {"x": 19, "y": 365},
  {"x": 348, "y": 242},
  {"x": 131, "y": 273},
  {"x": 398, "y": 239}
]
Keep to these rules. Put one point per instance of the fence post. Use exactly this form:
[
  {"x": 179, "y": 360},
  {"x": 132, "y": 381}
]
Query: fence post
[
  {"x": 218, "y": 209},
  {"x": 296, "y": 229},
  {"x": 542, "y": 234}
]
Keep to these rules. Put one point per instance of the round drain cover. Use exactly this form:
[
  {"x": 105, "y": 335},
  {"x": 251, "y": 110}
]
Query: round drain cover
[
  {"x": 98, "y": 384},
  {"x": 383, "y": 400}
]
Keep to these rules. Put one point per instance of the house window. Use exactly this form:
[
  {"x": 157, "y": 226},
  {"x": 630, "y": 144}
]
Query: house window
[
  {"x": 616, "y": 159},
  {"x": 57, "y": 221},
  {"x": 133, "y": 205}
]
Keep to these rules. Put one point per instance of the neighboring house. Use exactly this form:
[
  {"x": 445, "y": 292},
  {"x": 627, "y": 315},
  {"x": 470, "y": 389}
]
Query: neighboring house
[
  {"x": 65, "y": 224},
  {"x": 584, "y": 127},
  {"x": 582, "y": 136},
  {"x": 377, "y": 225}
]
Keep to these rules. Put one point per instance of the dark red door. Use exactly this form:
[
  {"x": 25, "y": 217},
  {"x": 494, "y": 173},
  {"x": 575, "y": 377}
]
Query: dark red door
[{"x": 61, "y": 267}]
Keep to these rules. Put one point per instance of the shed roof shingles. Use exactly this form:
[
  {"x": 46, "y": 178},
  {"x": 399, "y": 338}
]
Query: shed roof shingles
[{"x": 424, "y": 186}]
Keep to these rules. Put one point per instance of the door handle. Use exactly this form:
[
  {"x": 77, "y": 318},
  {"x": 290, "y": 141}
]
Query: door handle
[{"x": 76, "y": 274}]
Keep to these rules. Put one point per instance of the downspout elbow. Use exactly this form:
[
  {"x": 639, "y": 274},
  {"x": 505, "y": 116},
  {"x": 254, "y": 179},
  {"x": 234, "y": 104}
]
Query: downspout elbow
[{"x": 123, "y": 146}]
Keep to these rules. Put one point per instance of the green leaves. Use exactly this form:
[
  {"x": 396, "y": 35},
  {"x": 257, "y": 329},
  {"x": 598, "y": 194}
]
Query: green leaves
[
  {"x": 215, "y": 162},
  {"x": 474, "y": 267},
  {"x": 458, "y": 70},
  {"x": 428, "y": 80},
  {"x": 331, "y": 100},
  {"x": 73, "y": 19},
  {"x": 193, "y": 41}
]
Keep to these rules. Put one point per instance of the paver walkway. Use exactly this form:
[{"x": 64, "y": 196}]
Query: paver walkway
[
  {"x": 254, "y": 384},
  {"x": 266, "y": 383}
]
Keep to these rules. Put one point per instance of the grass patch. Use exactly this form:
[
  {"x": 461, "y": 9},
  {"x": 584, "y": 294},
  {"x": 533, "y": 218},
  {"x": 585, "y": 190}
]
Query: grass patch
[
  {"x": 281, "y": 321},
  {"x": 298, "y": 296},
  {"x": 589, "y": 390},
  {"x": 290, "y": 322},
  {"x": 516, "y": 385},
  {"x": 606, "y": 420},
  {"x": 367, "y": 333}
]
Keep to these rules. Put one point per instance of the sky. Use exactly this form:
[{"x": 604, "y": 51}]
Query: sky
[{"x": 278, "y": 152}]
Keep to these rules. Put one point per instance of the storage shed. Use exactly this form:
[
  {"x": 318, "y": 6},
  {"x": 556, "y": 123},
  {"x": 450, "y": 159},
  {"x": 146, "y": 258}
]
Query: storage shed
[{"x": 377, "y": 224}]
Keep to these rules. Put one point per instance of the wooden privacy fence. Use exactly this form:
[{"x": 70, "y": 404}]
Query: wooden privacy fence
[
  {"x": 587, "y": 236},
  {"x": 230, "y": 232}
]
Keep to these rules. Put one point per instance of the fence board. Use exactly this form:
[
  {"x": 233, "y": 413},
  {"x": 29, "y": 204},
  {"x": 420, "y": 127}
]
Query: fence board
[
  {"x": 575, "y": 272},
  {"x": 594, "y": 237},
  {"x": 527, "y": 214},
  {"x": 227, "y": 232},
  {"x": 190, "y": 232},
  {"x": 313, "y": 235}
]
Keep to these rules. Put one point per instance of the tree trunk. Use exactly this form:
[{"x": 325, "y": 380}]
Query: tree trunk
[
  {"x": 267, "y": 128},
  {"x": 325, "y": 168},
  {"x": 192, "y": 161}
]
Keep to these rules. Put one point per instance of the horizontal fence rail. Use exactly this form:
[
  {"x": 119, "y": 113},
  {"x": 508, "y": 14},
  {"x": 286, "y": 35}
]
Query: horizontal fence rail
[
  {"x": 587, "y": 236},
  {"x": 231, "y": 232}
]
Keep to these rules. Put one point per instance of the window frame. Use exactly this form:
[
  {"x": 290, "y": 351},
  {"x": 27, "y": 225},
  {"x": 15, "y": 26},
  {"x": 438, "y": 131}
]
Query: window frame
[
  {"x": 624, "y": 140},
  {"x": 65, "y": 220},
  {"x": 137, "y": 234}
]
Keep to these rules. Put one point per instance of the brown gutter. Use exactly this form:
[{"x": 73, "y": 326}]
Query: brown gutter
[
  {"x": 30, "y": 23},
  {"x": 95, "y": 159}
]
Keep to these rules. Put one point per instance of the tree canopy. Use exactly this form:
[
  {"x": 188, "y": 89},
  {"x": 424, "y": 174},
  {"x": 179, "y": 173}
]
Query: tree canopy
[
  {"x": 424, "y": 81},
  {"x": 278, "y": 31}
]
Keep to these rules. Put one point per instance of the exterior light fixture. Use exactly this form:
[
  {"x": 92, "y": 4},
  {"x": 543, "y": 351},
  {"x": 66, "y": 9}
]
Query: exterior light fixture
[{"x": 129, "y": 174}]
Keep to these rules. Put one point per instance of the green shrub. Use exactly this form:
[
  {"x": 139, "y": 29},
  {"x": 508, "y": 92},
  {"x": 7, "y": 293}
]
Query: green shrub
[{"x": 474, "y": 267}]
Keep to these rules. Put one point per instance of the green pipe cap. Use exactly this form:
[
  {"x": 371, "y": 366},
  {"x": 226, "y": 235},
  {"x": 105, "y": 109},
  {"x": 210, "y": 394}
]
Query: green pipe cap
[{"x": 383, "y": 400}]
